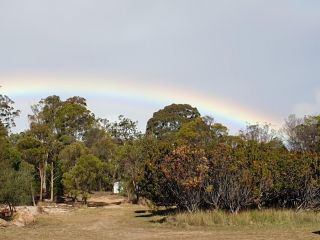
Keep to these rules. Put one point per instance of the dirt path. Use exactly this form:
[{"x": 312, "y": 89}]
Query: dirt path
[{"x": 126, "y": 221}]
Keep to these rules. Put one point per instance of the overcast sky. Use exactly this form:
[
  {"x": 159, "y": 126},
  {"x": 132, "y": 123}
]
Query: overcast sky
[{"x": 262, "y": 54}]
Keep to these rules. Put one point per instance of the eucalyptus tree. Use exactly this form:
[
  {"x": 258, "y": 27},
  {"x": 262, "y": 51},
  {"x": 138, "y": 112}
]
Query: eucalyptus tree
[
  {"x": 303, "y": 133},
  {"x": 74, "y": 118},
  {"x": 16, "y": 184},
  {"x": 101, "y": 143},
  {"x": 83, "y": 177},
  {"x": 71, "y": 153},
  {"x": 56, "y": 123},
  {"x": 34, "y": 152},
  {"x": 170, "y": 119},
  {"x": 15, "y": 174},
  {"x": 7, "y": 112},
  {"x": 194, "y": 133},
  {"x": 131, "y": 162},
  {"x": 43, "y": 128},
  {"x": 45, "y": 112},
  {"x": 122, "y": 130}
]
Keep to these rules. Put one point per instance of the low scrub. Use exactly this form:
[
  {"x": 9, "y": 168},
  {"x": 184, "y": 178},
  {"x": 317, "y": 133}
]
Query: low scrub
[{"x": 247, "y": 218}]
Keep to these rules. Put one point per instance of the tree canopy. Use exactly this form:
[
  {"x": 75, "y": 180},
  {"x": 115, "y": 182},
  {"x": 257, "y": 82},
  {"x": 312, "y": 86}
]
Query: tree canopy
[
  {"x": 183, "y": 159},
  {"x": 170, "y": 119}
]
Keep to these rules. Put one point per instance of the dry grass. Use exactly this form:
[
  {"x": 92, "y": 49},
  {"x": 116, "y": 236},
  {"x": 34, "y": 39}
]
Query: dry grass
[
  {"x": 132, "y": 222},
  {"x": 267, "y": 218}
]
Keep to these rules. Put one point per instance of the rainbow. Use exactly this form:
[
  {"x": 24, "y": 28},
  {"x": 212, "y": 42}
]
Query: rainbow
[{"x": 121, "y": 88}]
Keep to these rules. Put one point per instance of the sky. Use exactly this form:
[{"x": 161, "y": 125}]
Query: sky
[{"x": 240, "y": 61}]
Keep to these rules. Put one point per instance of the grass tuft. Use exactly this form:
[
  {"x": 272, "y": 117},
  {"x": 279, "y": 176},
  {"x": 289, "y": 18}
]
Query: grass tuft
[{"x": 246, "y": 218}]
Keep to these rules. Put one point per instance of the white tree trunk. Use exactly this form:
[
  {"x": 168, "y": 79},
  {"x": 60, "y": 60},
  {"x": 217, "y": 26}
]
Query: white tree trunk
[
  {"x": 41, "y": 182},
  {"x": 45, "y": 177},
  {"x": 52, "y": 180},
  {"x": 32, "y": 195}
]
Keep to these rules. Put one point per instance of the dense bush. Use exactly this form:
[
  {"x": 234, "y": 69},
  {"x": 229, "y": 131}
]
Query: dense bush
[{"x": 183, "y": 159}]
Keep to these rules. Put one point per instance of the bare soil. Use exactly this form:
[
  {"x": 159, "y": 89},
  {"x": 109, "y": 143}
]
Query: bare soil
[{"x": 114, "y": 220}]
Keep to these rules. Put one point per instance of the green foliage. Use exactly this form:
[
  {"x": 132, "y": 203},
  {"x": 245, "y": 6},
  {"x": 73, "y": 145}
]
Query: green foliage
[
  {"x": 45, "y": 112},
  {"x": 7, "y": 112},
  {"x": 122, "y": 130},
  {"x": 84, "y": 176},
  {"x": 70, "y": 154},
  {"x": 131, "y": 167},
  {"x": 303, "y": 134},
  {"x": 183, "y": 160},
  {"x": 15, "y": 184},
  {"x": 32, "y": 150},
  {"x": 195, "y": 132},
  {"x": 101, "y": 144},
  {"x": 73, "y": 119},
  {"x": 154, "y": 184},
  {"x": 15, "y": 175},
  {"x": 170, "y": 119}
]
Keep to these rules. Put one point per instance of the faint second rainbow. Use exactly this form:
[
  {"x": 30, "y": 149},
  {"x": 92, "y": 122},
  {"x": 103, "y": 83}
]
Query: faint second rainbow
[{"x": 28, "y": 86}]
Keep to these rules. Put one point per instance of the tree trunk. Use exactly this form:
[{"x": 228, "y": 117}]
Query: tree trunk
[
  {"x": 32, "y": 195},
  {"x": 52, "y": 180},
  {"x": 100, "y": 184},
  {"x": 45, "y": 177},
  {"x": 11, "y": 209},
  {"x": 41, "y": 182}
]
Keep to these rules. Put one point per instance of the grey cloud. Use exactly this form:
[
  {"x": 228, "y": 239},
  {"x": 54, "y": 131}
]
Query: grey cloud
[{"x": 262, "y": 54}]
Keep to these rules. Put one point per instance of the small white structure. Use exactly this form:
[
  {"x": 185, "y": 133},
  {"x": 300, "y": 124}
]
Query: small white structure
[{"x": 116, "y": 187}]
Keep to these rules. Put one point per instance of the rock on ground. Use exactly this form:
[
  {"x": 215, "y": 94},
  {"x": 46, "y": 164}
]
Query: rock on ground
[
  {"x": 4, "y": 223},
  {"x": 23, "y": 218},
  {"x": 34, "y": 210}
]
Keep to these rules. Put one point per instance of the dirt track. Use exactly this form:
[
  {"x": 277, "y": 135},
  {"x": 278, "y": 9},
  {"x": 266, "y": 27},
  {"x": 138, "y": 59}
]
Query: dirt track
[{"x": 124, "y": 221}]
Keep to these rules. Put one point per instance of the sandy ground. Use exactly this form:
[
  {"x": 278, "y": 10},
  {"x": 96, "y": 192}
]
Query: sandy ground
[{"x": 125, "y": 221}]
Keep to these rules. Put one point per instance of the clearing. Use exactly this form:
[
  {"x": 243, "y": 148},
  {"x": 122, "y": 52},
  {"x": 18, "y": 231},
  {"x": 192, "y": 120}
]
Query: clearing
[{"x": 113, "y": 220}]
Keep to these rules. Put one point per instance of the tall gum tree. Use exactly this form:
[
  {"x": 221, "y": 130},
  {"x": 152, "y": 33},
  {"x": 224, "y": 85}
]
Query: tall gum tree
[
  {"x": 7, "y": 112},
  {"x": 34, "y": 152},
  {"x": 43, "y": 128},
  {"x": 170, "y": 119}
]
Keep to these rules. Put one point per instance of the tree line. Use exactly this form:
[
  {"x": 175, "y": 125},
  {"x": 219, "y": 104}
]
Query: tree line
[{"x": 183, "y": 159}]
